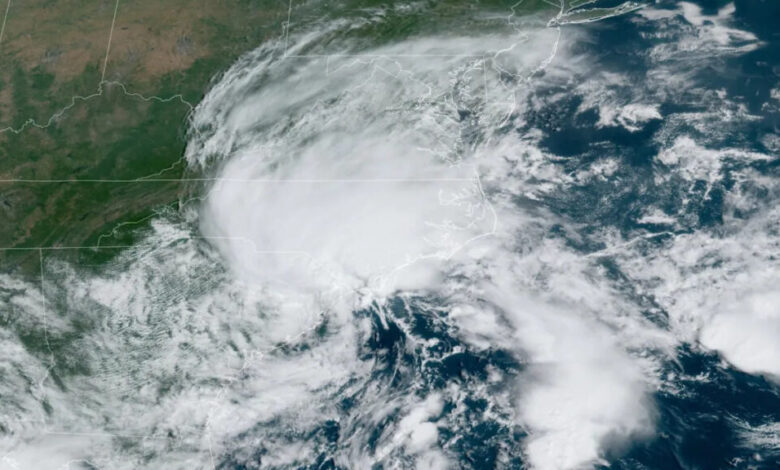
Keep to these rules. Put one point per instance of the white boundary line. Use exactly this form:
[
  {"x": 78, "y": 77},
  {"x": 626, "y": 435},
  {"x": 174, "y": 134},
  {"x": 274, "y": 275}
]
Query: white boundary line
[
  {"x": 75, "y": 99},
  {"x": 108, "y": 46},
  {"x": 257, "y": 355},
  {"x": 5, "y": 18},
  {"x": 237, "y": 180}
]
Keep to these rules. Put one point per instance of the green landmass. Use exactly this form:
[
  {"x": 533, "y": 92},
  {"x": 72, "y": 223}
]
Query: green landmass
[
  {"x": 133, "y": 125},
  {"x": 91, "y": 149},
  {"x": 60, "y": 123}
]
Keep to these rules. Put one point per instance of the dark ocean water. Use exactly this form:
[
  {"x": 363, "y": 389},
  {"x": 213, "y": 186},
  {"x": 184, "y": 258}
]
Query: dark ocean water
[
  {"x": 696, "y": 420},
  {"x": 476, "y": 240},
  {"x": 439, "y": 235}
]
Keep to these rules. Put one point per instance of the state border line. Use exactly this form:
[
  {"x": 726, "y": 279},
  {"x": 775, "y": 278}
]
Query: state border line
[
  {"x": 234, "y": 180},
  {"x": 472, "y": 56},
  {"x": 110, "y": 38},
  {"x": 5, "y": 19},
  {"x": 260, "y": 354}
]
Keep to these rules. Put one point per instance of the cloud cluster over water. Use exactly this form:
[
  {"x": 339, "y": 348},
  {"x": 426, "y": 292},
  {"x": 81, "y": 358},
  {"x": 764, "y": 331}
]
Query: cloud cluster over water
[{"x": 362, "y": 193}]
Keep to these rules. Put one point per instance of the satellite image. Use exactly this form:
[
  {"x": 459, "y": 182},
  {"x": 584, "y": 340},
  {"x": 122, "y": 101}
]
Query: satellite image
[{"x": 364, "y": 234}]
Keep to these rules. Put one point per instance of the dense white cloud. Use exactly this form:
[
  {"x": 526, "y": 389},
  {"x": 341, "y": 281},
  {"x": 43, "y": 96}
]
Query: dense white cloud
[{"x": 345, "y": 180}]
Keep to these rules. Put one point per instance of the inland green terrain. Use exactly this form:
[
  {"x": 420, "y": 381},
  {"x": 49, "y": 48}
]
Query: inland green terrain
[
  {"x": 95, "y": 97},
  {"x": 95, "y": 100}
]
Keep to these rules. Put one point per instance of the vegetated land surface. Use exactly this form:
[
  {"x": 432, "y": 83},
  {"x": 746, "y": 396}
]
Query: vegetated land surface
[
  {"x": 98, "y": 90},
  {"x": 92, "y": 137},
  {"x": 63, "y": 118}
]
